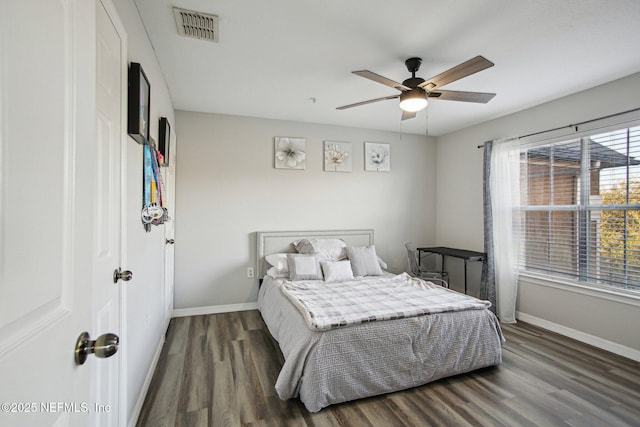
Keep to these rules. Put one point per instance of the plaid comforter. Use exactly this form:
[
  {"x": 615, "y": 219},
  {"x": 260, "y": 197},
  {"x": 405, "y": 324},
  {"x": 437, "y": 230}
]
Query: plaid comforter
[{"x": 331, "y": 305}]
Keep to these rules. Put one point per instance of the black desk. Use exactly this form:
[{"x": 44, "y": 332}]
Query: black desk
[{"x": 456, "y": 253}]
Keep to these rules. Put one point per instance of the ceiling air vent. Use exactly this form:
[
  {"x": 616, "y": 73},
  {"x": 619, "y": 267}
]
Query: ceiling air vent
[{"x": 196, "y": 25}]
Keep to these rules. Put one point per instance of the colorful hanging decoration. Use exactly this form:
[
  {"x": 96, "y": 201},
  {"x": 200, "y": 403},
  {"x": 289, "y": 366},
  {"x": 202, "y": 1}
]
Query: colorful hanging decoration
[{"x": 153, "y": 209}]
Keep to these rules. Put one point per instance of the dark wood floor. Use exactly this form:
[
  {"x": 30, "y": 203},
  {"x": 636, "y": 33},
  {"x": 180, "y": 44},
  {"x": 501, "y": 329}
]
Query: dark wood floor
[{"x": 220, "y": 370}]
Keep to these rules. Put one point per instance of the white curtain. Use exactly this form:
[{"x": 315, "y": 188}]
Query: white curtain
[{"x": 505, "y": 198}]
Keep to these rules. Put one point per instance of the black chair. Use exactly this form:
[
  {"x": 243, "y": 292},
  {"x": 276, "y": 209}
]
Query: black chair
[{"x": 417, "y": 270}]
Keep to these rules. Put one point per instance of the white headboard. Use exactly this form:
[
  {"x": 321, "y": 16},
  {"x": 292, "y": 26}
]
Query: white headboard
[{"x": 271, "y": 242}]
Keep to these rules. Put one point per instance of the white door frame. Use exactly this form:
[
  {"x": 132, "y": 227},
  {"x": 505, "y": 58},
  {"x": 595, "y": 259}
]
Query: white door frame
[
  {"x": 169, "y": 229},
  {"x": 109, "y": 7}
]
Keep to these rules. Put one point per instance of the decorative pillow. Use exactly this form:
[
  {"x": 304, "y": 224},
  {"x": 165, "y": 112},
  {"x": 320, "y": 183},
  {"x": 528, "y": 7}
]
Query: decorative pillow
[
  {"x": 329, "y": 249},
  {"x": 336, "y": 270},
  {"x": 276, "y": 274},
  {"x": 302, "y": 246},
  {"x": 279, "y": 261},
  {"x": 304, "y": 267},
  {"x": 364, "y": 261}
]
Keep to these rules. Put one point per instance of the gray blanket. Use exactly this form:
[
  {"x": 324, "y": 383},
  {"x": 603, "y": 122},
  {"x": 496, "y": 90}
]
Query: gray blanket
[
  {"x": 338, "y": 365},
  {"x": 331, "y": 305}
]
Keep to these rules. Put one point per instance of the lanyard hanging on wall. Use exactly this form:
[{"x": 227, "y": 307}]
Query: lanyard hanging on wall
[{"x": 153, "y": 210}]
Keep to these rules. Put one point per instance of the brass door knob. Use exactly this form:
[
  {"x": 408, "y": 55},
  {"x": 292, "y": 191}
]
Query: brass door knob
[
  {"x": 118, "y": 274},
  {"x": 105, "y": 346}
]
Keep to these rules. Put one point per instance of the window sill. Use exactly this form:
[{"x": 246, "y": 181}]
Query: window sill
[{"x": 565, "y": 285}]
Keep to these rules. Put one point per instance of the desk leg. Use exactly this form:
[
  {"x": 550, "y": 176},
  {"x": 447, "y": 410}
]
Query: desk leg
[{"x": 465, "y": 277}]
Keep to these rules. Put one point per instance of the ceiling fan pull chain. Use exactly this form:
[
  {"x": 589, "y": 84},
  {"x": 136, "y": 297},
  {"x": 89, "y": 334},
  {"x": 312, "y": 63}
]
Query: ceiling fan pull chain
[{"x": 426, "y": 119}]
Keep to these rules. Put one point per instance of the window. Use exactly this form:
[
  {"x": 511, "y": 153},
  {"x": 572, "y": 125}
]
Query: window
[{"x": 580, "y": 209}]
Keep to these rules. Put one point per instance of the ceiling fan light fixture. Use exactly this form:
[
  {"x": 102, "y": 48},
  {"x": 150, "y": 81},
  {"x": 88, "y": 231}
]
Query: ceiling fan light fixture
[{"x": 413, "y": 100}]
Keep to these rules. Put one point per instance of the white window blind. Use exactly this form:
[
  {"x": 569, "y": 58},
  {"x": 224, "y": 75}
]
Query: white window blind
[{"x": 580, "y": 209}]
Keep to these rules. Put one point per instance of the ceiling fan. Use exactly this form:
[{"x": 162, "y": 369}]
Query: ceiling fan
[{"x": 415, "y": 90}]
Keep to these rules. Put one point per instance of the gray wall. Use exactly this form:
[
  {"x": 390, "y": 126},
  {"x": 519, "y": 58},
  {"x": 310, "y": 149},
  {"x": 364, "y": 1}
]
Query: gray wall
[
  {"x": 228, "y": 188},
  {"x": 602, "y": 319}
]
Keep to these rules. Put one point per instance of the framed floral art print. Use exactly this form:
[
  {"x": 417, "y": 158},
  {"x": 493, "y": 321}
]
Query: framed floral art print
[
  {"x": 290, "y": 153},
  {"x": 377, "y": 157},
  {"x": 337, "y": 156}
]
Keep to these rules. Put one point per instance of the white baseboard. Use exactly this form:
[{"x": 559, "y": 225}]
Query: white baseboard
[
  {"x": 214, "y": 309},
  {"x": 593, "y": 340},
  {"x": 147, "y": 380}
]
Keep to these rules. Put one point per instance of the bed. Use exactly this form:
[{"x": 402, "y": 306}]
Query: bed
[{"x": 327, "y": 363}]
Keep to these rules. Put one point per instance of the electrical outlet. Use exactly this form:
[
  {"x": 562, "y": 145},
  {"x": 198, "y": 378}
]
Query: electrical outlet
[{"x": 250, "y": 273}]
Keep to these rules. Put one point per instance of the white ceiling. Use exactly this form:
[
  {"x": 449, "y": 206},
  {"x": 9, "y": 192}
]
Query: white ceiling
[{"x": 275, "y": 57}]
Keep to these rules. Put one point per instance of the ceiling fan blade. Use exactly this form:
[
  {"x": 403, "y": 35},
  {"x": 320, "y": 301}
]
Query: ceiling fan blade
[
  {"x": 406, "y": 115},
  {"x": 381, "y": 79},
  {"x": 344, "y": 107},
  {"x": 454, "y": 95},
  {"x": 465, "y": 69}
]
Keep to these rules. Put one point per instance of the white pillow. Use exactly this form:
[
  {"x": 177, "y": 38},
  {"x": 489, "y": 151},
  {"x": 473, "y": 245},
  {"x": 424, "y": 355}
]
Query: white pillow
[
  {"x": 364, "y": 261},
  {"x": 329, "y": 249},
  {"x": 304, "y": 267},
  {"x": 336, "y": 270},
  {"x": 279, "y": 261},
  {"x": 277, "y": 274}
]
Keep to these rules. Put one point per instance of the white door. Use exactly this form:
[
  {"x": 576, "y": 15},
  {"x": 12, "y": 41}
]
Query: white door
[
  {"x": 111, "y": 78},
  {"x": 170, "y": 185},
  {"x": 60, "y": 191},
  {"x": 47, "y": 184}
]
